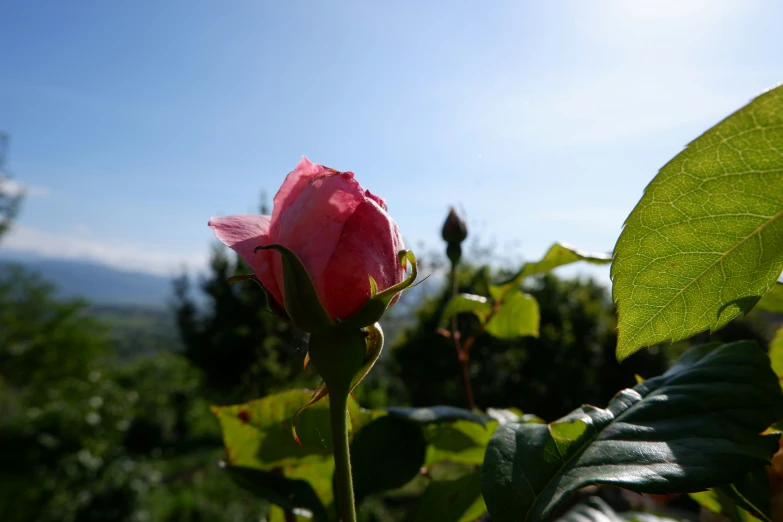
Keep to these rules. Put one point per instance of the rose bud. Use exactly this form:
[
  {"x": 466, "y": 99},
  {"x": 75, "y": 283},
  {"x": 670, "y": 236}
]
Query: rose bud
[
  {"x": 454, "y": 232},
  {"x": 454, "y": 228},
  {"x": 327, "y": 236}
]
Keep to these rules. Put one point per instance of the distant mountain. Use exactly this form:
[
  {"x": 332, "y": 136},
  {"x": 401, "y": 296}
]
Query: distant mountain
[{"x": 99, "y": 284}]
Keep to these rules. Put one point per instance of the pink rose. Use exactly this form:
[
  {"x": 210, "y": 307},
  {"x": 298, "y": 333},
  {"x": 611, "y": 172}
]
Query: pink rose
[{"x": 340, "y": 231}]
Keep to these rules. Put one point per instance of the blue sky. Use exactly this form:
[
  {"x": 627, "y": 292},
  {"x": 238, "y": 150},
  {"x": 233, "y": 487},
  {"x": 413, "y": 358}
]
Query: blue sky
[{"x": 132, "y": 123}]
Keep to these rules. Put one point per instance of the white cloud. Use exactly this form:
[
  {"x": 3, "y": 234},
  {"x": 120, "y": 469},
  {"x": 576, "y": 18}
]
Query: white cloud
[
  {"x": 122, "y": 256},
  {"x": 14, "y": 188}
]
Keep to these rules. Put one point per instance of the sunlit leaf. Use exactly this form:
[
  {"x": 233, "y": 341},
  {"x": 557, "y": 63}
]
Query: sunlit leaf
[
  {"x": 695, "y": 427},
  {"x": 258, "y": 434},
  {"x": 558, "y": 255},
  {"x": 518, "y": 316},
  {"x": 706, "y": 240},
  {"x": 467, "y": 303}
]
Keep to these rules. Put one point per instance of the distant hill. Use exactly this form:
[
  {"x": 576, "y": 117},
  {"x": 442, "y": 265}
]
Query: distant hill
[{"x": 99, "y": 284}]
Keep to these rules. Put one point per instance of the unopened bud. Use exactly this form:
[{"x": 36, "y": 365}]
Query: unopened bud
[
  {"x": 454, "y": 228},
  {"x": 454, "y": 252}
]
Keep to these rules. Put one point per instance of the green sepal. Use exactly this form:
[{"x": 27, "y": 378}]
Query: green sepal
[
  {"x": 373, "y": 347},
  {"x": 302, "y": 303},
  {"x": 371, "y": 312},
  {"x": 271, "y": 303}
]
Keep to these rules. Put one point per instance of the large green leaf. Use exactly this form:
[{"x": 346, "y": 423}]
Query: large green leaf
[
  {"x": 518, "y": 316},
  {"x": 258, "y": 434},
  {"x": 386, "y": 454},
  {"x": 594, "y": 509},
  {"x": 706, "y": 240},
  {"x": 457, "y": 500},
  {"x": 695, "y": 427},
  {"x": 289, "y": 494},
  {"x": 558, "y": 255}
]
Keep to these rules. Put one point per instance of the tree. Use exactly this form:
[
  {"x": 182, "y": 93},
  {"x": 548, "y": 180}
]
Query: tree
[
  {"x": 10, "y": 198},
  {"x": 241, "y": 348}
]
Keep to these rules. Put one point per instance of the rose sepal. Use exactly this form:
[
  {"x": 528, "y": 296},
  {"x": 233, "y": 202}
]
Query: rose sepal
[
  {"x": 373, "y": 338},
  {"x": 301, "y": 301},
  {"x": 271, "y": 303},
  {"x": 372, "y": 311}
]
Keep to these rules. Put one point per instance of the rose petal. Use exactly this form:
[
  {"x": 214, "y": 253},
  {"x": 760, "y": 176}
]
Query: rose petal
[
  {"x": 368, "y": 245},
  {"x": 243, "y": 234},
  {"x": 311, "y": 223},
  {"x": 377, "y": 199}
]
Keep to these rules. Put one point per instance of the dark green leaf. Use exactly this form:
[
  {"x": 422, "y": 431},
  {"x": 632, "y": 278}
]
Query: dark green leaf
[
  {"x": 695, "y": 427},
  {"x": 456, "y": 500},
  {"x": 287, "y": 493},
  {"x": 558, "y": 255},
  {"x": 594, "y": 509},
  {"x": 435, "y": 414},
  {"x": 464, "y": 303},
  {"x": 518, "y": 316},
  {"x": 752, "y": 493},
  {"x": 705, "y": 242},
  {"x": 386, "y": 454}
]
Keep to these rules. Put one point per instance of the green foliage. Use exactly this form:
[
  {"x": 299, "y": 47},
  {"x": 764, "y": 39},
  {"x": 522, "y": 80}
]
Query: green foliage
[
  {"x": 706, "y": 240},
  {"x": 506, "y": 312},
  {"x": 570, "y": 363},
  {"x": 388, "y": 450},
  {"x": 242, "y": 349},
  {"x": 87, "y": 437},
  {"x": 679, "y": 432}
]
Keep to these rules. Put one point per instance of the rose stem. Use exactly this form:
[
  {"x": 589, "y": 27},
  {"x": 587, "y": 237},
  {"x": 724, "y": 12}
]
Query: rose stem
[
  {"x": 338, "y": 410},
  {"x": 462, "y": 355}
]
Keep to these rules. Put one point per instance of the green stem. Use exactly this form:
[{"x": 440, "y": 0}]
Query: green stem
[
  {"x": 462, "y": 354},
  {"x": 338, "y": 410}
]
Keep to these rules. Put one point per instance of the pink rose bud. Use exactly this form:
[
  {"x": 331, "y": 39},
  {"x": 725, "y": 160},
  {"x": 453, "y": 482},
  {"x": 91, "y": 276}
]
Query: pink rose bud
[{"x": 340, "y": 232}]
